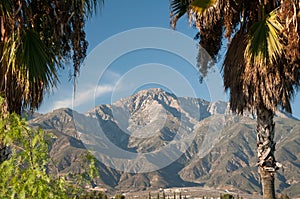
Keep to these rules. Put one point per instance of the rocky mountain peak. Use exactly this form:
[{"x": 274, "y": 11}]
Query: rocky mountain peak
[
  {"x": 136, "y": 101},
  {"x": 151, "y": 91},
  {"x": 149, "y": 95}
]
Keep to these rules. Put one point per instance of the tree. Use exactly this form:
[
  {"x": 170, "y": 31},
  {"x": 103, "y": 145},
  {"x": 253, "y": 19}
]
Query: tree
[
  {"x": 261, "y": 66},
  {"x": 35, "y": 38},
  {"x": 24, "y": 174}
]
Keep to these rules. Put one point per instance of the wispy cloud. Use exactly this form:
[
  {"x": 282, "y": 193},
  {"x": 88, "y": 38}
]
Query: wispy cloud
[
  {"x": 83, "y": 97},
  {"x": 91, "y": 94}
]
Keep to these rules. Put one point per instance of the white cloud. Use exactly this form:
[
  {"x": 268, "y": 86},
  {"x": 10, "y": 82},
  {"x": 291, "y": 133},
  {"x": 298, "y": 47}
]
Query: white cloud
[
  {"x": 82, "y": 99},
  {"x": 86, "y": 93},
  {"x": 91, "y": 94}
]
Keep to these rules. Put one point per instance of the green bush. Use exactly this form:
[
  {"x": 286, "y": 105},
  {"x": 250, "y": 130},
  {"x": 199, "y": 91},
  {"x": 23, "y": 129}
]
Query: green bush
[{"x": 24, "y": 174}]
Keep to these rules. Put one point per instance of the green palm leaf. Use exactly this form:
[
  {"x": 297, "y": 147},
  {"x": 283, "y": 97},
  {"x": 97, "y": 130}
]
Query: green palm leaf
[
  {"x": 36, "y": 59},
  {"x": 264, "y": 42}
]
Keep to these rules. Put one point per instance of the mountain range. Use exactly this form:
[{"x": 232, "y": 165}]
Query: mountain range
[{"x": 154, "y": 139}]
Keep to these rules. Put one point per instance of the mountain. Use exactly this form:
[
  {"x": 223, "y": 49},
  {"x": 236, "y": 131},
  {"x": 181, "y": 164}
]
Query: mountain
[{"x": 154, "y": 139}]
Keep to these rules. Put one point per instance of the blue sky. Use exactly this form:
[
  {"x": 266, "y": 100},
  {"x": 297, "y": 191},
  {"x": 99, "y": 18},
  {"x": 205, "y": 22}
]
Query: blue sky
[{"x": 125, "y": 55}]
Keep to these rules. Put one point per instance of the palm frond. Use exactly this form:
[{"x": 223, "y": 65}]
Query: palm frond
[
  {"x": 177, "y": 9},
  {"x": 30, "y": 69},
  {"x": 234, "y": 69},
  {"x": 199, "y": 6},
  {"x": 91, "y": 6},
  {"x": 6, "y": 6},
  {"x": 264, "y": 43},
  {"x": 258, "y": 69},
  {"x": 37, "y": 59},
  {"x": 190, "y": 7},
  {"x": 36, "y": 37},
  {"x": 290, "y": 16}
]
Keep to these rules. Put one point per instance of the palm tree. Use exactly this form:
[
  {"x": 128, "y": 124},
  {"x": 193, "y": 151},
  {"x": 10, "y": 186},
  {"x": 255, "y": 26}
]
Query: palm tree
[
  {"x": 261, "y": 66},
  {"x": 36, "y": 37}
]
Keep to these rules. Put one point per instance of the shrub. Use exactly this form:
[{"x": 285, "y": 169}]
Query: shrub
[{"x": 24, "y": 174}]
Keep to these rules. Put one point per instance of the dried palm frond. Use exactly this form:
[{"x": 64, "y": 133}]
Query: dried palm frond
[
  {"x": 234, "y": 67},
  {"x": 288, "y": 15}
]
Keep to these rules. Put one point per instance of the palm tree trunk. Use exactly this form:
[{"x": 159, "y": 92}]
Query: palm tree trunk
[
  {"x": 267, "y": 164},
  {"x": 267, "y": 184}
]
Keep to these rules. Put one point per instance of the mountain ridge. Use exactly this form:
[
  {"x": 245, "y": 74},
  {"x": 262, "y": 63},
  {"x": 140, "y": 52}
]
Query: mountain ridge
[{"x": 214, "y": 147}]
